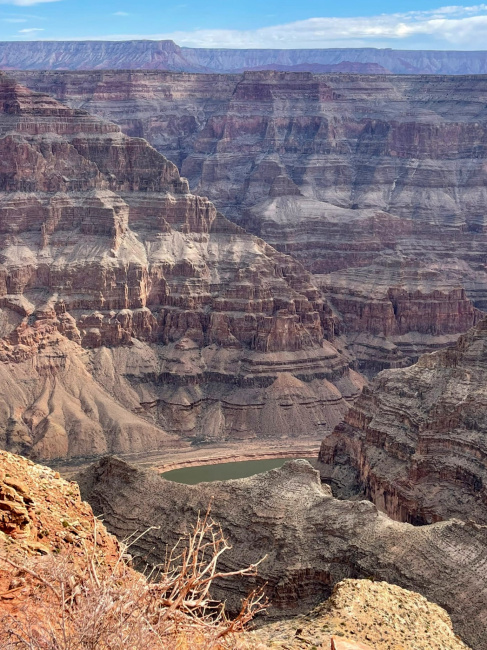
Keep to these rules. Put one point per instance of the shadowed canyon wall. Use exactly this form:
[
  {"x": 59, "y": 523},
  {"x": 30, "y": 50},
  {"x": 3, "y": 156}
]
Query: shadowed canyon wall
[
  {"x": 415, "y": 442},
  {"x": 375, "y": 183}
]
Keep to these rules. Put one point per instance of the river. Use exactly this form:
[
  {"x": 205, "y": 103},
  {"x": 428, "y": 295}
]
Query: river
[{"x": 225, "y": 471}]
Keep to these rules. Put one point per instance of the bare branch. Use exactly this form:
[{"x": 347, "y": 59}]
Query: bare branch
[{"x": 100, "y": 607}]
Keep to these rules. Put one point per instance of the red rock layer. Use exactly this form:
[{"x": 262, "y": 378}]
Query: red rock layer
[
  {"x": 186, "y": 316},
  {"x": 344, "y": 172}
]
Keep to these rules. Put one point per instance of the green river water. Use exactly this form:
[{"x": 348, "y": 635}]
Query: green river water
[{"x": 224, "y": 471}]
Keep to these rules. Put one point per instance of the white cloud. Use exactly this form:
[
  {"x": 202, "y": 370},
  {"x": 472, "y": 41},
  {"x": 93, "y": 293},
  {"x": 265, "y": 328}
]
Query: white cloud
[
  {"x": 449, "y": 27},
  {"x": 30, "y": 30},
  {"x": 121, "y": 13},
  {"x": 25, "y": 3}
]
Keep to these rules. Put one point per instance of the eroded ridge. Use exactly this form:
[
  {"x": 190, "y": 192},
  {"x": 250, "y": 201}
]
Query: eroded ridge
[
  {"x": 311, "y": 539},
  {"x": 415, "y": 442}
]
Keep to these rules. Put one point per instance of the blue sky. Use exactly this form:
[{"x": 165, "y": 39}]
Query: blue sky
[{"x": 252, "y": 23}]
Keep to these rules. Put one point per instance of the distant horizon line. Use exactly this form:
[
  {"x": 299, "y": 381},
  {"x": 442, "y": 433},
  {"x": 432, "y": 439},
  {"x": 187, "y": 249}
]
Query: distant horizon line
[{"x": 188, "y": 47}]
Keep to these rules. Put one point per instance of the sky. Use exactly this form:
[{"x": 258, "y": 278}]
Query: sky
[{"x": 252, "y": 23}]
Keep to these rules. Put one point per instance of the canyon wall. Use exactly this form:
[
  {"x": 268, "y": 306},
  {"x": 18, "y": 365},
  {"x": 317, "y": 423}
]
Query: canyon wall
[
  {"x": 375, "y": 183},
  {"x": 416, "y": 440},
  {"x": 132, "y": 313},
  {"x": 167, "y": 55},
  {"x": 311, "y": 540}
]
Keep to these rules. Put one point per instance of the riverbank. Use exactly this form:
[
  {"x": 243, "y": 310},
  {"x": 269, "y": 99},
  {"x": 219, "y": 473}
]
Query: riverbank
[
  {"x": 227, "y": 456},
  {"x": 212, "y": 472},
  {"x": 168, "y": 459}
]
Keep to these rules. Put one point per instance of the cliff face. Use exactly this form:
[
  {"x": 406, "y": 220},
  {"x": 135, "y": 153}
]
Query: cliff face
[
  {"x": 375, "y": 183},
  {"x": 166, "y": 55},
  {"x": 415, "y": 442},
  {"x": 312, "y": 540},
  {"x": 131, "y": 309}
]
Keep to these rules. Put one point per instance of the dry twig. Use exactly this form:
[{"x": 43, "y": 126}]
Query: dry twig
[{"x": 113, "y": 608}]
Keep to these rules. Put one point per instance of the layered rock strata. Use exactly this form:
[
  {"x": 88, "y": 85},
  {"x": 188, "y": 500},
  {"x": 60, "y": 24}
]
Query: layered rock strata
[
  {"x": 131, "y": 311},
  {"x": 397, "y": 309},
  {"x": 415, "y": 441},
  {"x": 375, "y": 183},
  {"x": 311, "y": 540}
]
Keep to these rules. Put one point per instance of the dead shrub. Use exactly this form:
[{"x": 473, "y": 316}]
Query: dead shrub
[{"x": 87, "y": 605}]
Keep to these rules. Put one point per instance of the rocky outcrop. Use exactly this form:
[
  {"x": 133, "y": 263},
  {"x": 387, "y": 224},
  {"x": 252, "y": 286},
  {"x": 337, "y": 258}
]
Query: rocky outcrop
[
  {"x": 375, "y": 183},
  {"x": 166, "y": 55},
  {"x": 41, "y": 513},
  {"x": 312, "y": 541},
  {"x": 133, "y": 312},
  {"x": 361, "y": 615},
  {"x": 415, "y": 442}
]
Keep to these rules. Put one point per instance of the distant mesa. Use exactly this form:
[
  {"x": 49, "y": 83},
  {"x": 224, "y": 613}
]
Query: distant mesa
[{"x": 167, "y": 55}]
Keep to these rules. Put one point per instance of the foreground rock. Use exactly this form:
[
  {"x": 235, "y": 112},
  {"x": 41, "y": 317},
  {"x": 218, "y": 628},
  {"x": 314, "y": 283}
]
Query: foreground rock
[
  {"x": 416, "y": 441},
  {"x": 132, "y": 313},
  {"x": 361, "y": 614},
  {"x": 64, "y": 581},
  {"x": 43, "y": 515},
  {"x": 374, "y": 183},
  {"x": 312, "y": 540}
]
